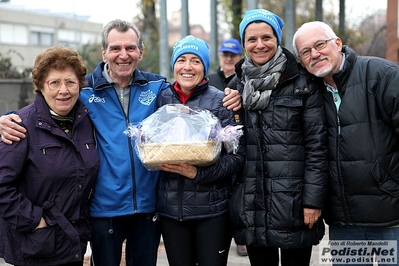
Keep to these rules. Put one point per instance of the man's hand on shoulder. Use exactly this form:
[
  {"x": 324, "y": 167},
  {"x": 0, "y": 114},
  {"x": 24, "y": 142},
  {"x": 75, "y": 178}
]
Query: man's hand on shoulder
[
  {"x": 10, "y": 130},
  {"x": 232, "y": 100}
]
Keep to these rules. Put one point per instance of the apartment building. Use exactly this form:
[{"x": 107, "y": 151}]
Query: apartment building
[{"x": 26, "y": 33}]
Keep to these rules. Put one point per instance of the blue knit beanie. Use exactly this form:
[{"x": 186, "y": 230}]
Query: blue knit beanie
[
  {"x": 262, "y": 15},
  {"x": 192, "y": 45}
]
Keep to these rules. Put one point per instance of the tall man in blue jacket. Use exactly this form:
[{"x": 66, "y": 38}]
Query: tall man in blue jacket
[
  {"x": 124, "y": 201},
  {"x": 362, "y": 106}
]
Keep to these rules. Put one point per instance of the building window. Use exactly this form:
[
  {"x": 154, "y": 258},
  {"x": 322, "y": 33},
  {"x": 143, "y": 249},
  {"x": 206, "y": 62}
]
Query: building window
[
  {"x": 41, "y": 38},
  {"x": 13, "y": 34},
  {"x": 68, "y": 37}
]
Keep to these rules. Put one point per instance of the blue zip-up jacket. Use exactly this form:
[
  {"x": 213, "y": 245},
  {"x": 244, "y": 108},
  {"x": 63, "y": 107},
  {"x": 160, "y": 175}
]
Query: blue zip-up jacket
[{"x": 124, "y": 186}]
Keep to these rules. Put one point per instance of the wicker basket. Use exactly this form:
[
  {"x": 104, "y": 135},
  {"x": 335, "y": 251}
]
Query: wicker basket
[{"x": 194, "y": 153}]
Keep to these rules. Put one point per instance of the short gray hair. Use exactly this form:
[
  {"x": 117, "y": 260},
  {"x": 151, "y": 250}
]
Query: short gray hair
[
  {"x": 120, "y": 26},
  {"x": 313, "y": 24}
]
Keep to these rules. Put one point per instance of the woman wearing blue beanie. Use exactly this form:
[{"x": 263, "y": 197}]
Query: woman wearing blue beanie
[
  {"x": 281, "y": 191},
  {"x": 193, "y": 201}
]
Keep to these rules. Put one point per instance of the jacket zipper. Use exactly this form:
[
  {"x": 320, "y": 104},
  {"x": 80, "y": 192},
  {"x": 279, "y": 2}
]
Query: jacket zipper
[
  {"x": 340, "y": 179},
  {"x": 131, "y": 153}
]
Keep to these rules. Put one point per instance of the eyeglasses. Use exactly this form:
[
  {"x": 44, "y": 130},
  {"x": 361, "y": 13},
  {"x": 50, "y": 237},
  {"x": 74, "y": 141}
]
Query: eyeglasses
[
  {"x": 318, "y": 46},
  {"x": 56, "y": 84},
  {"x": 228, "y": 54}
]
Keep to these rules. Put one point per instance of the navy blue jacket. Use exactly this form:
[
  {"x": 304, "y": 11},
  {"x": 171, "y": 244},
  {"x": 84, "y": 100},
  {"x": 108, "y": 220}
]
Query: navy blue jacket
[
  {"x": 48, "y": 175},
  {"x": 207, "y": 195}
]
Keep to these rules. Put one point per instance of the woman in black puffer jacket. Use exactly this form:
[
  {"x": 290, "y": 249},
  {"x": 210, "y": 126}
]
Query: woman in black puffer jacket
[
  {"x": 193, "y": 201},
  {"x": 280, "y": 195}
]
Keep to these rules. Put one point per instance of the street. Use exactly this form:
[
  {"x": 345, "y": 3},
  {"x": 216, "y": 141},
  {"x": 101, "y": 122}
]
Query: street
[{"x": 234, "y": 259}]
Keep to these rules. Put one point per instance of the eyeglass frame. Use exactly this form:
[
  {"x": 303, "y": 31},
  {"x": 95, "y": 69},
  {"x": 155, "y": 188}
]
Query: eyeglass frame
[
  {"x": 323, "y": 43},
  {"x": 64, "y": 82},
  {"x": 228, "y": 54}
]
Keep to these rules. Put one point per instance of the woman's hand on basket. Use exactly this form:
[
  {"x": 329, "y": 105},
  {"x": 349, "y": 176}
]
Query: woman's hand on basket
[{"x": 187, "y": 170}]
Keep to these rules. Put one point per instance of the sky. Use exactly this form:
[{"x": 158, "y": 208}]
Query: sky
[{"x": 103, "y": 11}]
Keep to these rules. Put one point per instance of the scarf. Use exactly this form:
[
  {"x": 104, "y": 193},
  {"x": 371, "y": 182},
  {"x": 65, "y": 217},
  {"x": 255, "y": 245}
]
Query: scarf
[
  {"x": 262, "y": 80},
  {"x": 64, "y": 122}
]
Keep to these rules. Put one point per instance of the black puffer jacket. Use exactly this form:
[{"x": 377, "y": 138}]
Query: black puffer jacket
[
  {"x": 218, "y": 79},
  {"x": 364, "y": 156},
  {"x": 286, "y": 164},
  {"x": 207, "y": 195}
]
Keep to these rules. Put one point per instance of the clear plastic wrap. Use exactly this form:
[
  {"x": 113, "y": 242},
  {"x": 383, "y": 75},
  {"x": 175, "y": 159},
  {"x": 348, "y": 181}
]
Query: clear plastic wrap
[{"x": 177, "y": 134}]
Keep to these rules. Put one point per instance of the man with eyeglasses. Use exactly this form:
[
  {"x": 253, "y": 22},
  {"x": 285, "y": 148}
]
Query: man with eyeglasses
[
  {"x": 362, "y": 107},
  {"x": 229, "y": 54}
]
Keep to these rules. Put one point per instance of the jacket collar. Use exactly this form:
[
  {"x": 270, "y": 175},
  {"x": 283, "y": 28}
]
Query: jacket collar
[
  {"x": 341, "y": 77},
  {"x": 198, "y": 90},
  {"x": 97, "y": 81}
]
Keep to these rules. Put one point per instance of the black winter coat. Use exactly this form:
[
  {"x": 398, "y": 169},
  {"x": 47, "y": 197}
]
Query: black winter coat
[
  {"x": 207, "y": 195},
  {"x": 364, "y": 154},
  {"x": 218, "y": 79},
  {"x": 285, "y": 168}
]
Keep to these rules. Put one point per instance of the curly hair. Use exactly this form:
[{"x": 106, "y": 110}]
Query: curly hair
[{"x": 57, "y": 58}]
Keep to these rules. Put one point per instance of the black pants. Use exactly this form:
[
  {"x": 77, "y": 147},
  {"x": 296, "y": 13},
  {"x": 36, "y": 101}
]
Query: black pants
[
  {"x": 142, "y": 235},
  {"x": 69, "y": 264},
  {"x": 204, "y": 241},
  {"x": 269, "y": 256}
]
